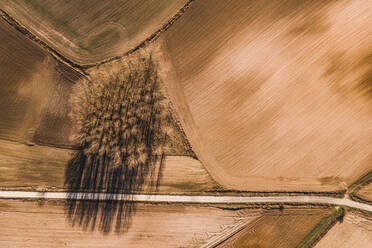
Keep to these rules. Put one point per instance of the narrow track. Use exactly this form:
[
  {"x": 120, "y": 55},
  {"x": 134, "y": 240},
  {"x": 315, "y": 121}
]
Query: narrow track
[{"x": 187, "y": 199}]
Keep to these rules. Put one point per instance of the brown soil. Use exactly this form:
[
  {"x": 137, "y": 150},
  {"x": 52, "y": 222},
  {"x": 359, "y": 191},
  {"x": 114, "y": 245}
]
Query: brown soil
[
  {"x": 33, "y": 224},
  {"x": 26, "y": 167},
  {"x": 34, "y": 92},
  {"x": 366, "y": 192},
  {"x": 89, "y": 31},
  {"x": 355, "y": 231},
  {"x": 281, "y": 229},
  {"x": 272, "y": 94}
]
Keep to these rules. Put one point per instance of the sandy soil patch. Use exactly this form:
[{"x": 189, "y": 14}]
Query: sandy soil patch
[{"x": 272, "y": 95}]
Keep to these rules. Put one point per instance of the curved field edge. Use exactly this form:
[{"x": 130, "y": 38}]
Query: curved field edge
[
  {"x": 41, "y": 168},
  {"x": 318, "y": 181},
  {"x": 11, "y": 21},
  {"x": 254, "y": 191},
  {"x": 214, "y": 189},
  {"x": 81, "y": 67},
  {"x": 179, "y": 105}
]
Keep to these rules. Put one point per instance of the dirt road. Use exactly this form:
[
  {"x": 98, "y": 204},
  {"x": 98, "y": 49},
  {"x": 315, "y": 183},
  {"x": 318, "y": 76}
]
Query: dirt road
[{"x": 188, "y": 199}]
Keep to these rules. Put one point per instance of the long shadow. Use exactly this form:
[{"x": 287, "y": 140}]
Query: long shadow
[
  {"x": 120, "y": 119},
  {"x": 108, "y": 212}
]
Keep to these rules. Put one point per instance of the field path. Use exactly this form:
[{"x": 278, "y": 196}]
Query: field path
[{"x": 188, "y": 199}]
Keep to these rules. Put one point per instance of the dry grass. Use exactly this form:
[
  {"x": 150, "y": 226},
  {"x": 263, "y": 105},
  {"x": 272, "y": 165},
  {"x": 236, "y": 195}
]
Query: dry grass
[
  {"x": 354, "y": 231},
  {"x": 125, "y": 124},
  {"x": 35, "y": 92},
  {"x": 125, "y": 128},
  {"x": 88, "y": 31},
  {"x": 272, "y": 95}
]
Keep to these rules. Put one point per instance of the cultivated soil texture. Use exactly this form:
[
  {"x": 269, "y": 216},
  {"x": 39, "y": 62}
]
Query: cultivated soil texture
[
  {"x": 37, "y": 127},
  {"x": 183, "y": 97},
  {"x": 40, "y": 224},
  {"x": 284, "y": 229},
  {"x": 365, "y": 192},
  {"x": 34, "y": 92},
  {"x": 354, "y": 231},
  {"x": 32, "y": 167},
  {"x": 274, "y": 95},
  {"x": 89, "y": 31},
  {"x": 24, "y": 167}
]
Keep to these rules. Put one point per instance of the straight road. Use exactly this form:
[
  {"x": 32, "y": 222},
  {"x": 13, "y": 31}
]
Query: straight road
[{"x": 186, "y": 198}]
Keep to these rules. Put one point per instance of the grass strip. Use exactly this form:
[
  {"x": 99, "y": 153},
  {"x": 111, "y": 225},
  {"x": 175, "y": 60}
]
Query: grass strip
[
  {"x": 357, "y": 185},
  {"x": 362, "y": 181},
  {"x": 355, "y": 197},
  {"x": 322, "y": 228},
  {"x": 222, "y": 191}
]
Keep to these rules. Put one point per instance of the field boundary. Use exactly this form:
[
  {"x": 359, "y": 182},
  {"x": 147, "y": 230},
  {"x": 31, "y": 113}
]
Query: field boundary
[
  {"x": 51, "y": 189},
  {"x": 335, "y": 194},
  {"x": 355, "y": 197},
  {"x": 64, "y": 147},
  {"x": 149, "y": 39},
  {"x": 82, "y": 67},
  {"x": 361, "y": 182},
  {"x": 222, "y": 238},
  {"x": 321, "y": 229},
  {"x": 56, "y": 55}
]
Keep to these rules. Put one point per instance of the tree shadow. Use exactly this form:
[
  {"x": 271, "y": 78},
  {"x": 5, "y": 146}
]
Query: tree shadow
[
  {"x": 121, "y": 137},
  {"x": 114, "y": 206}
]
